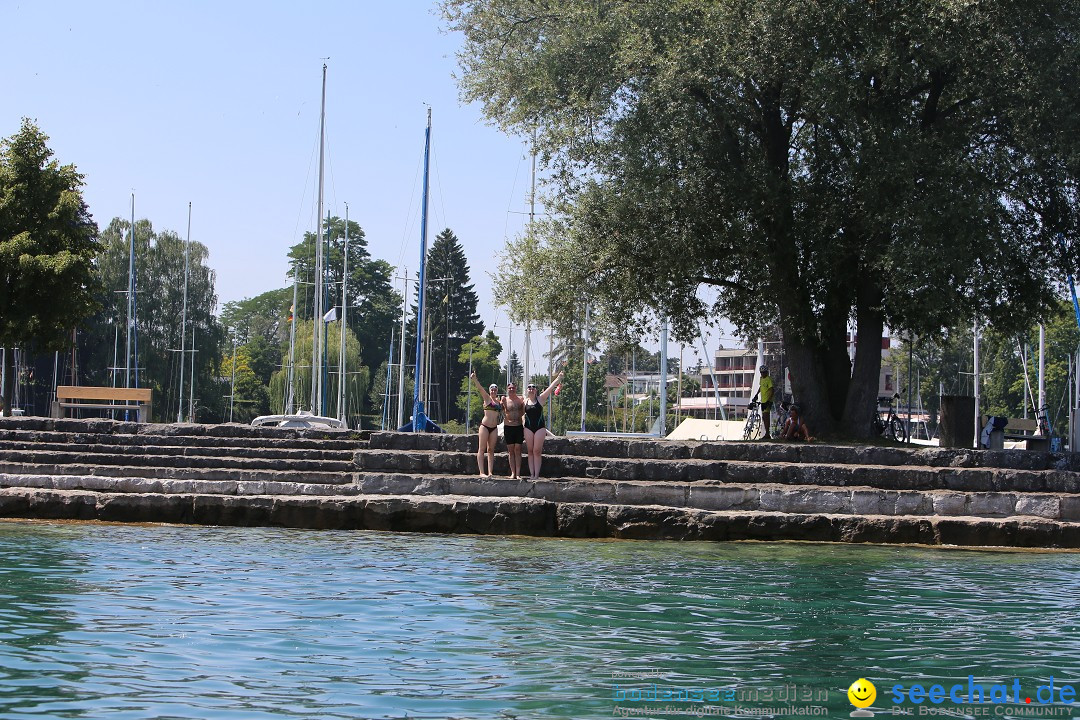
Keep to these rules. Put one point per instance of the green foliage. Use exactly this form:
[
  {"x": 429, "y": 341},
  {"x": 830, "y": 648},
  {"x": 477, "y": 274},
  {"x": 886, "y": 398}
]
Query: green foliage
[
  {"x": 357, "y": 380},
  {"x": 484, "y": 351},
  {"x": 251, "y": 397},
  {"x": 159, "y": 271},
  {"x": 47, "y": 243},
  {"x": 374, "y": 305},
  {"x": 812, "y": 163},
  {"x": 945, "y": 366},
  {"x": 261, "y": 326},
  {"x": 451, "y": 309}
]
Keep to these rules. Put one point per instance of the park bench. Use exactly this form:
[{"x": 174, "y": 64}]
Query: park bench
[
  {"x": 1025, "y": 430},
  {"x": 71, "y": 397}
]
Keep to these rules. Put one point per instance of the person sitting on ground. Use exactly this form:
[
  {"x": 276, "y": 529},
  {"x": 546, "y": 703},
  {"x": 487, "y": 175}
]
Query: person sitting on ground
[{"x": 794, "y": 428}]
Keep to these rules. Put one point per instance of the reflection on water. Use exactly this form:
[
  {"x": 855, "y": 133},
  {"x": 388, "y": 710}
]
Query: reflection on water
[{"x": 188, "y": 622}]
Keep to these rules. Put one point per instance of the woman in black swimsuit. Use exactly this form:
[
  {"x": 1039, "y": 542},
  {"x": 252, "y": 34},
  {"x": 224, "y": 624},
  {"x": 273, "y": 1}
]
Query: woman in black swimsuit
[
  {"x": 489, "y": 426},
  {"x": 535, "y": 429}
]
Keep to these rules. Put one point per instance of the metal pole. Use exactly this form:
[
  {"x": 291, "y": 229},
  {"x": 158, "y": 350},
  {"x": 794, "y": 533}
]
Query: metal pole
[
  {"x": 1042, "y": 374},
  {"x": 911, "y": 361},
  {"x": 318, "y": 310},
  {"x": 183, "y": 323},
  {"x": 975, "y": 379},
  {"x": 290, "y": 392},
  {"x": 191, "y": 385},
  {"x": 344, "y": 315},
  {"x": 585, "y": 368},
  {"x": 401, "y": 361},
  {"x": 468, "y": 411},
  {"x": 232, "y": 393},
  {"x": 419, "y": 417},
  {"x": 663, "y": 378}
]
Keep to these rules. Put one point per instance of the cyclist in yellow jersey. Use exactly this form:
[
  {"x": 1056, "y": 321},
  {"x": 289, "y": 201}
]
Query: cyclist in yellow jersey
[{"x": 766, "y": 394}]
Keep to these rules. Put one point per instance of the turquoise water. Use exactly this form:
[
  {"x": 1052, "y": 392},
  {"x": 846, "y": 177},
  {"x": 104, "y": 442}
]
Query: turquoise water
[{"x": 189, "y": 622}]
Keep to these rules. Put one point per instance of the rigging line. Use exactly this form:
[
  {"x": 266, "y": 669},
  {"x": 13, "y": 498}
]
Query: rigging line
[
  {"x": 438, "y": 182},
  {"x": 303, "y": 198},
  {"x": 333, "y": 183},
  {"x": 409, "y": 212},
  {"x": 510, "y": 204}
]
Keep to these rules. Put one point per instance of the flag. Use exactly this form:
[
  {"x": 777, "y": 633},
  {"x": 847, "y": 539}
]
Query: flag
[
  {"x": 291, "y": 308},
  {"x": 330, "y": 316}
]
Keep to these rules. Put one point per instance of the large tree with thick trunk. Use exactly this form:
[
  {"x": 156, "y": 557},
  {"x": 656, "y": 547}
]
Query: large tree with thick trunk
[{"x": 817, "y": 164}]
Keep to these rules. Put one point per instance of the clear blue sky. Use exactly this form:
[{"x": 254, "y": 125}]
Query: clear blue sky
[{"x": 217, "y": 104}]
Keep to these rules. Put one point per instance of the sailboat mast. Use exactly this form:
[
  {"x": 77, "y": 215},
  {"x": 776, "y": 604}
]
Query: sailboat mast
[
  {"x": 419, "y": 418},
  {"x": 183, "y": 321},
  {"x": 130, "y": 298},
  {"x": 401, "y": 356},
  {"x": 290, "y": 392},
  {"x": 318, "y": 310},
  {"x": 344, "y": 305}
]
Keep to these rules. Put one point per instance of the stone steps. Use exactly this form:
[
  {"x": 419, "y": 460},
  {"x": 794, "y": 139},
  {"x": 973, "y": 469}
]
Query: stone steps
[
  {"x": 910, "y": 477},
  {"x": 531, "y": 516},
  {"x": 291, "y": 442},
  {"x": 592, "y": 487},
  {"x": 90, "y": 448},
  {"x": 169, "y": 460},
  {"x": 754, "y": 497},
  {"x": 812, "y": 453},
  {"x": 167, "y": 472}
]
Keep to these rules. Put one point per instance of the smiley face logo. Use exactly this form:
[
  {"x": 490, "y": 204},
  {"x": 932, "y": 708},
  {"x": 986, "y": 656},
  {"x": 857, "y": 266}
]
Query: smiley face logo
[{"x": 862, "y": 693}]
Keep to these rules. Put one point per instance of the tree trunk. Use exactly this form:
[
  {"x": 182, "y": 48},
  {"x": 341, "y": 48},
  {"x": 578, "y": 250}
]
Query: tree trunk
[
  {"x": 862, "y": 392},
  {"x": 809, "y": 387}
]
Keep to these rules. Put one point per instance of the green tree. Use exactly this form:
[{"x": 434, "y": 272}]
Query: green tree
[
  {"x": 357, "y": 380},
  {"x": 47, "y": 244},
  {"x": 452, "y": 319},
  {"x": 374, "y": 306},
  {"x": 159, "y": 271},
  {"x": 261, "y": 326},
  {"x": 484, "y": 352},
  {"x": 813, "y": 163}
]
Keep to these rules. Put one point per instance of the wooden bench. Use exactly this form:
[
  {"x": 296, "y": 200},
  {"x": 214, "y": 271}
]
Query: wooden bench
[
  {"x": 70, "y": 397},
  {"x": 1024, "y": 430}
]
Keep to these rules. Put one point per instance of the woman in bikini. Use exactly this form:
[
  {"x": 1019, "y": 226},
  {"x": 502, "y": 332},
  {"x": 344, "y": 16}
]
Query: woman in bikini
[
  {"x": 489, "y": 426},
  {"x": 513, "y": 433},
  {"x": 535, "y": 429}
]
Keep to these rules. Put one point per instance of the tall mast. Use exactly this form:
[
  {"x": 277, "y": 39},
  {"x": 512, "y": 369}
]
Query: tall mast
[
  {"x": 401, "y": 351},
  {"x": 344, "y": 306},
  {"x": 290, "y": 392},
  {"x": 419, "y": 417},
  {"x": 183, "y": 322},
  {"x": 318, "y": 310},
  {"x": 131, "y": 301}
]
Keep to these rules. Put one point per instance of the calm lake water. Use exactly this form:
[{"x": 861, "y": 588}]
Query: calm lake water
[{"x": 189, "y": 622}]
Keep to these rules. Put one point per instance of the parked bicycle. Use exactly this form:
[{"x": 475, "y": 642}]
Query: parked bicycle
[
  {"x": 753, "y": 419},
  {"x": 891, "y": 426}
]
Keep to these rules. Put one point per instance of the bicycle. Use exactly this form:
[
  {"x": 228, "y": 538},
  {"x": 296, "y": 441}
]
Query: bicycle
[
  {"x": 753, "y": 419},
  {"x": 891, "y": 426}
]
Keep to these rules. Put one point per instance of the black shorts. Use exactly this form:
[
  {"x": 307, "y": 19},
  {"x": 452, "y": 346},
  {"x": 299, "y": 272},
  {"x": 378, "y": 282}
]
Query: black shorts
[{"x": 513, "y": 434}]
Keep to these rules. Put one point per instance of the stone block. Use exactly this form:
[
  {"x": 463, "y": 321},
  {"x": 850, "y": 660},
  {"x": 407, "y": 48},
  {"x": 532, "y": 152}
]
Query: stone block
[
  {"x": 1070, "y": 508},
  {"x": 949, "y": 503},
  {"x": 1044, "y": 506},
  {"x": 723, "y": 497},
  {"x": 634, "y": 493},
  {"x": 991, "y": 504}
]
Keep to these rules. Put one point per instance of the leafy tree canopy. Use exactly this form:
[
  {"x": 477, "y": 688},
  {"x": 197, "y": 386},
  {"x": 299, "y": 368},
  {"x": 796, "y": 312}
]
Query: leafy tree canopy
[
  {"x": 814, "y": 164},
  {"x": 47, "y": 243}
]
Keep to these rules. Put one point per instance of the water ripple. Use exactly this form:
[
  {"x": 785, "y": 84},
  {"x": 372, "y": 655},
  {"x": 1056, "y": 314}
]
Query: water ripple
[{"x": 187, "y": 622}]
